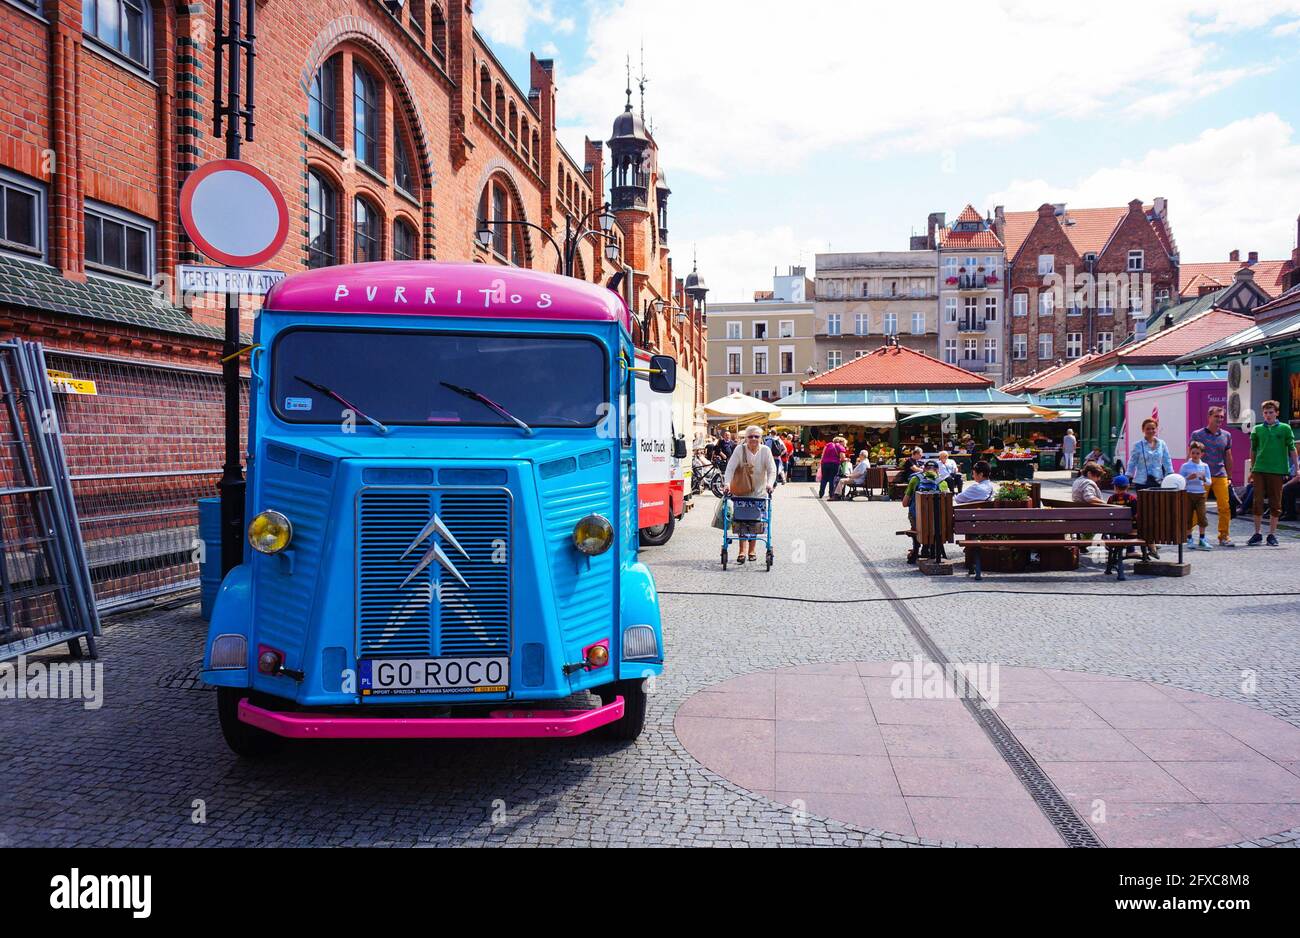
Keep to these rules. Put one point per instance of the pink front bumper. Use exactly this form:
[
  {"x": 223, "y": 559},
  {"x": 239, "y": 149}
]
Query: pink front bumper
[{"x": 501, "y": 724}]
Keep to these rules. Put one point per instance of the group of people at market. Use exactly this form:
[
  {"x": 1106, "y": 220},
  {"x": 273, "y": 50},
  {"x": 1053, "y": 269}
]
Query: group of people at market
[{"x": 1274, "y": 475}]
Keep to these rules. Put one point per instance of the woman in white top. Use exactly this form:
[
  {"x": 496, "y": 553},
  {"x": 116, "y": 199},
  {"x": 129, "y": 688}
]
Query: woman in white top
[{"x": 751, "y": 453}]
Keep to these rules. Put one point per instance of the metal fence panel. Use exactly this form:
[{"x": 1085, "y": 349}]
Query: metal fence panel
[{"x": 142, "y": 450}]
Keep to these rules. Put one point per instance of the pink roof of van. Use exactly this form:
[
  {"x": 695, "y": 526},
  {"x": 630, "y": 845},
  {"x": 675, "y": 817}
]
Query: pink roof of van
[{"x": 436, "y": 288}]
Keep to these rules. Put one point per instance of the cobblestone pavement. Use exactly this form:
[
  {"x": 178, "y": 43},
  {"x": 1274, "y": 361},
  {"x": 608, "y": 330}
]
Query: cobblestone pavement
[{"x": 138, "y": 770}]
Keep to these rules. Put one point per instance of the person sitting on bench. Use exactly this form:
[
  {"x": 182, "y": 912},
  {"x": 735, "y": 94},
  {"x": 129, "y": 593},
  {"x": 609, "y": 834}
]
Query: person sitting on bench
[
  {"x": 980, "y": 490},
  {"x": 857, "y": 477},
  {"x": 1086, "y": 489}
]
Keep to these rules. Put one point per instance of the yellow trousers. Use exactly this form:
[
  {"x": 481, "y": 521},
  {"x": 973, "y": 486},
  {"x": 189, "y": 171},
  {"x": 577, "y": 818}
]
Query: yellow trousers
[{"x": 1219, "y": 487}]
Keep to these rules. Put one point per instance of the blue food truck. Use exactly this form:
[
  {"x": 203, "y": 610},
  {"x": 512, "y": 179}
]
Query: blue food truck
[{"x": 442, "y": 512}]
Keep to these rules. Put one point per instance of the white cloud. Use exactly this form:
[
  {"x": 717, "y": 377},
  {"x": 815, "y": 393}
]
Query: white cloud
[
  {"x": 737, "y": 263},
  {"x": 762, "y": 82},
  {"x": 507, "y": 21},
  {"x": 1230, "y": 187}
]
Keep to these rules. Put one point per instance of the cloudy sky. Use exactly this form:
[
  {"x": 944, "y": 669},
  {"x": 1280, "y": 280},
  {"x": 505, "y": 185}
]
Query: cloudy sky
[{"x": 792, "y": 128}]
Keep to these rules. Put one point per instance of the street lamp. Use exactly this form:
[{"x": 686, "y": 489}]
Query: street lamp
[
  {"x": 568, "y": 255},
  {"x": 484, "y": 234}
]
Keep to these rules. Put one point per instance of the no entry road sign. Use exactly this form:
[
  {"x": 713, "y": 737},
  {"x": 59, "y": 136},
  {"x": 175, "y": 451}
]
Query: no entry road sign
[{"x": 234, "y": 213}]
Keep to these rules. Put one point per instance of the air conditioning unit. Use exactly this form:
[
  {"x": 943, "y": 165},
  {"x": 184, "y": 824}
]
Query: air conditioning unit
[{"x": 1250, "y": 381}]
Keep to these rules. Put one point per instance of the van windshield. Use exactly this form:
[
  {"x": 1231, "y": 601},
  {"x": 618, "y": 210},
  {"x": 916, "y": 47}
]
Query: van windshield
[{"x": 412, "y": 378}]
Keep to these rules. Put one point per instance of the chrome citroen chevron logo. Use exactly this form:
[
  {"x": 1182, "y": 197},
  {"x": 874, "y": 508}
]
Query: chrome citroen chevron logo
[{"x": 435, "y": 551}]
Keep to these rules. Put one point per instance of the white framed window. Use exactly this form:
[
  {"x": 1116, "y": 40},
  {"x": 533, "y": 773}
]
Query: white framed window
[
  {"x": 950, "y": 266},
  {"x": 735, "y": 387},
  {"x": 866, "y": 288},
  {"x": 861, "y": 324},
  {"x": 990, "y": 309},
  {"x": 1089, "y": 259},
  {"x": 834, "y": 358},
  {"x": 970, "y": 308},
  {"x": 833, "y": 324},
  {"x": 991, "y": 264},
  {"x": 1073, "y": 344},
  {"x": 991, "y": 351},
  {"x": 1076, "y": 305},
  {"x": 121, "y": 26},
  {"x": 970, "y": 349},
  {"x": 733, "y": 361},
  {"x": 760, "y": 329},
  {"x": 1019, "y": 346},
  {"x": 1020, "y": 304},
  {"x": 918, "y": 324},
  {"x": 22, "y": 215},
  {"x": 785, "y": 329},
  {"x": 118, "y": 242},
  {"x": 971, "y": 264},
  {"x": 1105, "y": 303},
  {"x": 760, "y": 361},
  {"x": 891, "y": 323},
  {"x": 1105, "y": 341},
  {"x": 786, "y": 359},
  {"x": 858, "y": 353},
  {"x": 1135, "y": 307},
  {"x": 1046, "y": 264},
  {"x": 950, "y": 309},
  {"x": 1136, "y": 260},
  {"x": 1044, "y": 346},
  {"x": 1162, "y": 297},
  {"x": 950, "y": 351},
  {"x": 733, "y": 329},
  {"x": 787, "y": 388},
  {"x": 1046, "y": 303}
]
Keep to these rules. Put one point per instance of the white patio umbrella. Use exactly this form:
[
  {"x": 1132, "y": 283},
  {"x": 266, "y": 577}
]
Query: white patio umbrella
[{"x": 741, "y": 408}]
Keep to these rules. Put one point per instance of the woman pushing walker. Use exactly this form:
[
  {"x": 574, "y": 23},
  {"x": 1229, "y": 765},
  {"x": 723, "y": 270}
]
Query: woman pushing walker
[{"x": 751, "y": 474}]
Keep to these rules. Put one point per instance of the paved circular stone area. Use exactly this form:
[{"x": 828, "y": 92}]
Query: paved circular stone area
[{"x": 1145, "y": 764}]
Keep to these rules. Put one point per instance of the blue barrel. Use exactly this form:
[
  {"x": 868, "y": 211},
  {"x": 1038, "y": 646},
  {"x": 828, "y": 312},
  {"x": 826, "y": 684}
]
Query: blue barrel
[{"x": 210, "y": 568}]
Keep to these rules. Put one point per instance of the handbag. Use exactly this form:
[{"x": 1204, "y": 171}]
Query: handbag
[
  {"x": 742, "y": 481},
  {"x": 718, "y": 515}
]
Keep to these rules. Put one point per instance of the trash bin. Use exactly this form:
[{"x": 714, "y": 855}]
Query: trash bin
[
  {"x": 1048, "y": 459},
  {"x": 210, "y": 568}
]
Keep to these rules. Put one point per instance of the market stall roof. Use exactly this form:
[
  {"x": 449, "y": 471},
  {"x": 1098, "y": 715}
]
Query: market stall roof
[
  {"x": 1267, "y": 333},
  {"x": 1127, "y": 377},
  {"x": 893, "y": 366},
  {"x": 1043, "y": 381},
  {"x": 890, "y": 397},
  {"x": 845, "y": 415},
  {"x": 985, "y": 412}
]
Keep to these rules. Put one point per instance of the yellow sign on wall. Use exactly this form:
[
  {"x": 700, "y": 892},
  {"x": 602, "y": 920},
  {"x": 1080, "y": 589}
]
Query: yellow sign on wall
[{"x": 63, "y": 383}]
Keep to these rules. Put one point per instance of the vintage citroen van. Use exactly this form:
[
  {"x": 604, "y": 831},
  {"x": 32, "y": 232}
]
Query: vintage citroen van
[{"x": 442, "y": 525}]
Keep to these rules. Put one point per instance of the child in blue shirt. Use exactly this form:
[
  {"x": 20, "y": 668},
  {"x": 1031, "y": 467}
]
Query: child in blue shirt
[{"x": 1197, "y": 473}]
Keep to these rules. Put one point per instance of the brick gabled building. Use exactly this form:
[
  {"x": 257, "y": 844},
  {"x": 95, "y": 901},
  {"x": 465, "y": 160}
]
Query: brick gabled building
[
  {"x": 1083, "y": 279},
  {"x": 391, "y": 129}
]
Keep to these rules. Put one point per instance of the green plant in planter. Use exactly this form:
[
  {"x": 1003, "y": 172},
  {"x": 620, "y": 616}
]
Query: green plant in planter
[{"x": 1014, "y": 492}]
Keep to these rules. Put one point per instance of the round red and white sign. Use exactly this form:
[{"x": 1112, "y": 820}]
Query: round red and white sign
[{"x": 234, "y": 213}]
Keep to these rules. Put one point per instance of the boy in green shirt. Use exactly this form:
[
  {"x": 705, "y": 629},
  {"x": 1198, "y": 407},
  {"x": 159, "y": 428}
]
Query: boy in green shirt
[{"x": 1273, "y": 459}]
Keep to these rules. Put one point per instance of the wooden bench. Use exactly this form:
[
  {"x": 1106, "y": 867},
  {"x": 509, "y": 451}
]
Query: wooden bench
[{"x": 1045, "y": 528}]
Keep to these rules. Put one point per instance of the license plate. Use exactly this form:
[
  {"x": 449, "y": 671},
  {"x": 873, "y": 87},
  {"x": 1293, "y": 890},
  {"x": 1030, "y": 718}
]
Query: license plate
[{"x": 384, "y": 676}]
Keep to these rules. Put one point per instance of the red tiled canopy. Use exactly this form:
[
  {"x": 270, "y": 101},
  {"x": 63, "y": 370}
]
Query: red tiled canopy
[{"x": 891, "y": 367}]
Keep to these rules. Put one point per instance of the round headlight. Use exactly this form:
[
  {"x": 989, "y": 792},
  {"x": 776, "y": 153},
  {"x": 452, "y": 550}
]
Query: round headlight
[
  {"x": 269, "y": 532},
  {"x": 593, "y": 535}
]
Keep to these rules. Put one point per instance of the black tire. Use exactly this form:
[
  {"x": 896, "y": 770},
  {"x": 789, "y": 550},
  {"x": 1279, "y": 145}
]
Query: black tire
[
  {"x": 724, "y": 558},
  {"x": 659, "y": 534},
  {"x": 629, "y": 726},
  {"x": 716, "y": 486},
  {"x": 769, "y": 560},
  {"x": 247, "y": 742}
]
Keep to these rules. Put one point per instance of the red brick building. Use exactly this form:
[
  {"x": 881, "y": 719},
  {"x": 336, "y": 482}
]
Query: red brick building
[
  {"x": 391, "y": 129},
  {"x": 393, "y": 132},
  {"x": 1083, "y": 279}
]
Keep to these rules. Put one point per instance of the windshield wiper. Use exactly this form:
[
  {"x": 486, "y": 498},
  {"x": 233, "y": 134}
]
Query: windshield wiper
[
  {"x": 484, "y": 399},
  {"x": 335, "y": 395}
]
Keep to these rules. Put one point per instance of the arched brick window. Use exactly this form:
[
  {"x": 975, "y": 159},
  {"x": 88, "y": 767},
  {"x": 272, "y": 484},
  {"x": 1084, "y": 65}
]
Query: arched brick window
[
  {"x": 322, "y": 221},
  {"x": 323, "y": 100},
  {"x": 523, "y": 136},
  {"x": 403, "y": 165},
  {"x": 406, "y": 244},
  {"x": 367, "y": 109},
  {"x": 367, "y": 225},
  {"x": 437, "y": 31},
  {"x": 514, "y": 122},
  {"x": 485, "y": 89},
  {"x": 499, "y": 108},
  {"x": 497, "y": 208},
  {"x": 417, "y": 19}
]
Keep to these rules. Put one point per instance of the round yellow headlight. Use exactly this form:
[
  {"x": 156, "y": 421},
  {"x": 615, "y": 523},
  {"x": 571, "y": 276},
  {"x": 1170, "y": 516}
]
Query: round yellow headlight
[
  {"x": 269, "y": 532},
  {"x": 593, "y": 535}
]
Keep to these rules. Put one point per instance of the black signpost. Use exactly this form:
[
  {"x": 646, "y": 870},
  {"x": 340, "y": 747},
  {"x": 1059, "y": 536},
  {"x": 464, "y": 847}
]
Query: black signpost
[{"x": 234, "y": 42}]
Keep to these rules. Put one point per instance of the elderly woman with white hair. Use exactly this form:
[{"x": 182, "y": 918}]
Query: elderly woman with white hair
[{"x": 751, "y": 473}]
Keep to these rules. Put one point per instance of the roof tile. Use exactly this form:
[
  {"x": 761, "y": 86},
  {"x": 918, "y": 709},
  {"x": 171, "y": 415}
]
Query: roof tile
[{"x": 897, "y": 367}]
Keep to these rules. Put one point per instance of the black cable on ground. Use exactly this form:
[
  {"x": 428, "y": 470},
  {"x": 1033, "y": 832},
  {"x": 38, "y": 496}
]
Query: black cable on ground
[{"x": 885, "y": 599}]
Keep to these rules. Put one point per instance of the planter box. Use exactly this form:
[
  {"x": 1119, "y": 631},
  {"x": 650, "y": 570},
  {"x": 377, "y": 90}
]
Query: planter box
[
  {"x": 992, "y": 560},
  {"x": 1058, "y": 558}
]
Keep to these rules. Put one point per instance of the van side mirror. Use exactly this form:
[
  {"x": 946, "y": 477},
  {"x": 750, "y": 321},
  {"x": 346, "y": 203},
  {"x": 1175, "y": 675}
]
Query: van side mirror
[
  {"x": 663, "y": 373},
  {"x": 679, "y": 447}
]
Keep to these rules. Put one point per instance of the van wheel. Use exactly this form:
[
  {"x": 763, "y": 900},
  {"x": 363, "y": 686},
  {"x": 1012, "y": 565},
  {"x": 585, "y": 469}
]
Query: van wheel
[
  {"x": 658, "y": 535},
  {"x": 245, "y": 741},
  {"x": 627, "y": 727}
]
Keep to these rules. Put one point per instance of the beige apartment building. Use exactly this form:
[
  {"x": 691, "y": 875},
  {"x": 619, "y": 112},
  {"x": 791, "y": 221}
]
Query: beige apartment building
[
  {"x": 764, "y": 348},
  {"x": 863, "y": 298}
]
